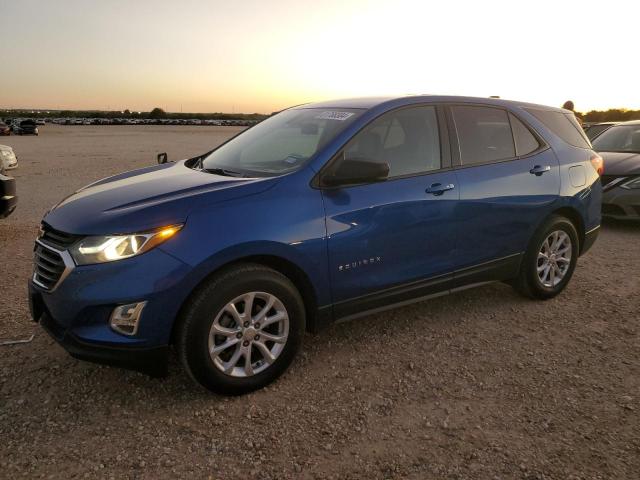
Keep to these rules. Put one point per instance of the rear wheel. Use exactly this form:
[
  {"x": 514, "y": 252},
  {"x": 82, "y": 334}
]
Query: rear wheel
[
  {"x": 550, "y": 260},
  {"x": 241, "y": 330}
]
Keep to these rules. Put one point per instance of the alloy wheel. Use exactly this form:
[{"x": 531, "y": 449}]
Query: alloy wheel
[
  {"x": 554, "y": 258},
  {"x": 248, "y": 334}
]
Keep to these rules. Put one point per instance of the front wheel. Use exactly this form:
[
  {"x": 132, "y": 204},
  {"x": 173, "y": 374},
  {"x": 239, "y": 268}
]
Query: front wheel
[
  {"x": 241, "y": 330},
  {"x": 550, "y": 260}
]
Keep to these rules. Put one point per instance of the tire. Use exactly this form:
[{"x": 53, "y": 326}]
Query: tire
[
  {"x": 216, "y": 306},
  {"x": 541, "y": 285}
]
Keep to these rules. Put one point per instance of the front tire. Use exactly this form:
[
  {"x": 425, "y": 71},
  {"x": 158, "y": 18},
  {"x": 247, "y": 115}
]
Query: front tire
[
  {"x": 241, "y": 330},
  {"x": 550, "y": 260}
]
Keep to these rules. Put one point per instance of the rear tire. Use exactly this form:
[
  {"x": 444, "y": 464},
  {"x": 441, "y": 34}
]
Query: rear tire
[
  {"x": 262, "y": 343},
  {"x": 550, "y": 260}
]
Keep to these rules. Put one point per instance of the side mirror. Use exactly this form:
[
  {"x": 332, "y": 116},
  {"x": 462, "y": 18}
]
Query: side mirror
[
  {"x": 350, "y": 171},
  {"x": 163, "y": 158}
]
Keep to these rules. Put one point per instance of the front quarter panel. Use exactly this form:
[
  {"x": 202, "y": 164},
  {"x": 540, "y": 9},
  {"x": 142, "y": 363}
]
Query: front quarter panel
[{"x": 286, "y": 221}]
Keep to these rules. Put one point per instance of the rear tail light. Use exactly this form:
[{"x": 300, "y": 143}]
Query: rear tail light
[{"x": 597, "y": 162}]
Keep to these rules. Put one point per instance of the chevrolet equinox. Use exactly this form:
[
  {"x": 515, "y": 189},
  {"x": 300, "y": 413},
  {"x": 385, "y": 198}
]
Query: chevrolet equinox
[{"x": 322, "y": 212}]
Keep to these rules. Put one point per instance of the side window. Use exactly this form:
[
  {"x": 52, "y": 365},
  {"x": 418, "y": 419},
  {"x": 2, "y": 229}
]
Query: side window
[
  {"x": 484, "y": 134},
  {"x": 407, "y": 139},
  {"x": 525, "y": 141}
]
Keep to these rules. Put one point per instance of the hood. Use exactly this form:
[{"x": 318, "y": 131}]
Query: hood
[
  {"x": 145, "y": 199},
  {"x": 621, "y": 163}
]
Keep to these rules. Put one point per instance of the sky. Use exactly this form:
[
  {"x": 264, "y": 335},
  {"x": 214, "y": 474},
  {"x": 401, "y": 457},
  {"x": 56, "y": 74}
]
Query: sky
[{"x": 262, "y": 56}]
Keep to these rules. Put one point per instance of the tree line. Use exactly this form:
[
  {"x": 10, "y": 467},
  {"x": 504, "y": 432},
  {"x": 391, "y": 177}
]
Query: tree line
[
  {"x": 611, "y": 115},
  {"x": 155, "y": 113}
]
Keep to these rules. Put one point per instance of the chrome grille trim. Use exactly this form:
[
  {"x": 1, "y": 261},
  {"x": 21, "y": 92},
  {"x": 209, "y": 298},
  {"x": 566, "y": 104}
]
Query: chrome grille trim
[
  {"x": 55, "y": 238},
  {"x": 57, "y": 264}
]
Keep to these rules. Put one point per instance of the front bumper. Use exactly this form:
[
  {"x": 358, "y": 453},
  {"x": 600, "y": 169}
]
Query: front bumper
[
  {"x": 152, "y": 361},
  {"x": 76, "y": 313},
  {"x": 621, "y": 203}
]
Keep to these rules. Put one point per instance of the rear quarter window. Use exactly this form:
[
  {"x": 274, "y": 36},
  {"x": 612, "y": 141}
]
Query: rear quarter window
[
  {"x": 563, "y": 125},
  {"x": 524, "y": 139}
]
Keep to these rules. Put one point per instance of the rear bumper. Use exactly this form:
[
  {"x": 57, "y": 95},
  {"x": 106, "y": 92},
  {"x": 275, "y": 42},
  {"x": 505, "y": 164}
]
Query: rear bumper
[
  {"x": 152, "y": 361},
  {"x": 589, "y": 239}
]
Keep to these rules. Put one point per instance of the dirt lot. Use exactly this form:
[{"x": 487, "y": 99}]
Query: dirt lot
[{"x": 482, "y": 385}]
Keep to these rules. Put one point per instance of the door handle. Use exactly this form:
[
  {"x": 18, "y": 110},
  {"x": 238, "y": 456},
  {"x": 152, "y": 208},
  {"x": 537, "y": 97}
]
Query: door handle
[
  {"x": 539, "y": 170},
  {"x": 439, "y": 189}
]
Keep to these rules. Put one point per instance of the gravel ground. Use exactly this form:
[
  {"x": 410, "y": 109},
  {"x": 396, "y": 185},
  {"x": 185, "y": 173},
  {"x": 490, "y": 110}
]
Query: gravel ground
[{"x": 483, "y": 384}]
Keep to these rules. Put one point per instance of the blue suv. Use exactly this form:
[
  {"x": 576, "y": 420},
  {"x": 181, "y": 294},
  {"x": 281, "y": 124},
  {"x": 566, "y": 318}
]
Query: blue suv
[{"x": 322, "y": 212}]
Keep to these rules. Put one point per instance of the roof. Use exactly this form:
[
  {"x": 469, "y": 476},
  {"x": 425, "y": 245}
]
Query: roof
[
  {"x": 630, "y": 122},
  {"x": 371, "y": 102}
]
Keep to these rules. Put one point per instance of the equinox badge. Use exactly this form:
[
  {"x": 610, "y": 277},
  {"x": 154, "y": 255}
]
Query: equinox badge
[{"x": 359, "y": 263}]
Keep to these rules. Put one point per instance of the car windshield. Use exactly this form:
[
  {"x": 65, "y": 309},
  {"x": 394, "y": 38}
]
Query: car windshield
[
  {"x": 621, "y": 138},
  {"x": 280, "y": 144}
]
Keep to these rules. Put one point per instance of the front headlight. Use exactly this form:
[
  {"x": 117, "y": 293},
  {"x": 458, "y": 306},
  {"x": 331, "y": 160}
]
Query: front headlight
[
  {"x": 632, "y": 184},
  {"x": 109, "y": 248}
]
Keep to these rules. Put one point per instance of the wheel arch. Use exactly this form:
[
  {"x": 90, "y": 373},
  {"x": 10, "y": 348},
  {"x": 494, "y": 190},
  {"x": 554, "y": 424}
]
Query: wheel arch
[
  {"x": 574, "y": 217},
  {"x": 280, "y": 264}
]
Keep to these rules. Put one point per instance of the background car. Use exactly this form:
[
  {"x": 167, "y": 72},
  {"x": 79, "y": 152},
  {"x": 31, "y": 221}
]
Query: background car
[
  {"x": 4, "y": 129},
  {"x": 25, "y": 127},
  {"x": 619, "y": 146},
  {"x": 8, "y": 159},
  {"x": 8, "y": 199},
  {"x": 594, "y": 129}
]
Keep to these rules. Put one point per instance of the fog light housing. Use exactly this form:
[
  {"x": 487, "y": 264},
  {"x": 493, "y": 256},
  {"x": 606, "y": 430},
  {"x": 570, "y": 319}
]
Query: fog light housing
[{"x": 125, "y": 318}]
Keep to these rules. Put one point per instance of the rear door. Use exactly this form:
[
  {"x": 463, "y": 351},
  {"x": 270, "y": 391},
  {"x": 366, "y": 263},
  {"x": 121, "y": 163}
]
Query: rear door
[
  {"x": 391, "y": 241},
  {"x": 508, "y": 180}
]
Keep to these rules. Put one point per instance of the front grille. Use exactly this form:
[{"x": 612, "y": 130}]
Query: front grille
[
  {"x": 48, "y": 267},
  {"x": 57, "y": 239}
]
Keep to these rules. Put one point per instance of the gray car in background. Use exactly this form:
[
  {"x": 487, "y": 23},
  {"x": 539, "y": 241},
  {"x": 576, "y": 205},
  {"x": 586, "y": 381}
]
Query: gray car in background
[
  {"x": 619, "y": 146},
  {"x": 594, "y": 129}
]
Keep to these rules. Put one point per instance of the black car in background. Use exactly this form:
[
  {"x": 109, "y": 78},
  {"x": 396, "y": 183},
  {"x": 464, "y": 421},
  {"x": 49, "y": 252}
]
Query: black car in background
[
  {"x": 8, "y": 199},
  {"x": 619, "y": 146},
  {"x": 594, "y": 129},
  {"x": 26, "y": 127}
]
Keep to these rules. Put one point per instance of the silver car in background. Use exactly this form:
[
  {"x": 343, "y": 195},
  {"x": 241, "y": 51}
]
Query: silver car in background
[{"x": 8, "y": 158}]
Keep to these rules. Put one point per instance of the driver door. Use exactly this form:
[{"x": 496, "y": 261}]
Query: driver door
[{"x": 393, "y": 240}]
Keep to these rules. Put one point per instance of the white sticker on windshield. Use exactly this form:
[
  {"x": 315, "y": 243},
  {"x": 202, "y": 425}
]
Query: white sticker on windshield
[{"x": 333, "y": 115}]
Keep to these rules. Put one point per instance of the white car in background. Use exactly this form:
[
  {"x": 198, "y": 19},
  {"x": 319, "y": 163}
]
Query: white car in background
[{"x": 8, "y": 159}]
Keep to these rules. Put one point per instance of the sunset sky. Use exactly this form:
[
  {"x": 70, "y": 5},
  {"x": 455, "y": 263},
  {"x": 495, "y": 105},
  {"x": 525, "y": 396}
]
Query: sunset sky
[{"x": 261, "y": 56}]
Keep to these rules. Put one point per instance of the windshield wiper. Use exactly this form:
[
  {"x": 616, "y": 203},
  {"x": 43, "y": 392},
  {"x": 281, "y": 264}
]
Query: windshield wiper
[{"x": 223, "y": 171}]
